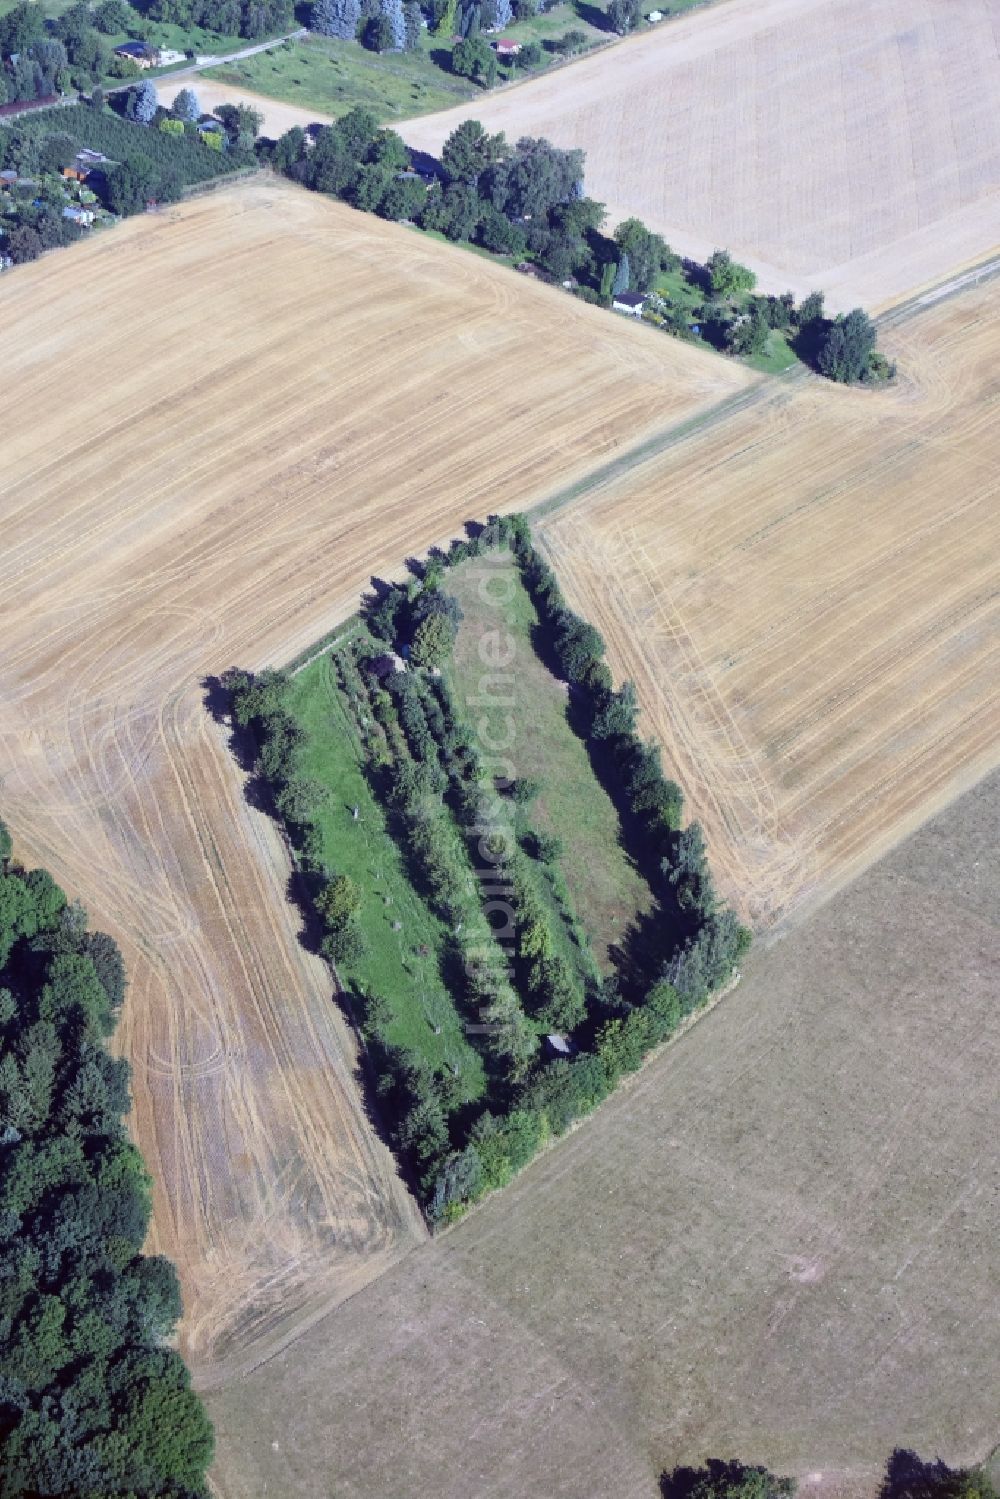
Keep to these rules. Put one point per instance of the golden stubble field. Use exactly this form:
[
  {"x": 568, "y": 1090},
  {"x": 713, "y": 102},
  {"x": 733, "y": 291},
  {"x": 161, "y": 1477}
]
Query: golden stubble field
[
  {"x": 218, "y": 423},
  {"x": 850, "y": 145},
  {"x": 777, "y": 1241},
  {"x": 806, "y": 597}
]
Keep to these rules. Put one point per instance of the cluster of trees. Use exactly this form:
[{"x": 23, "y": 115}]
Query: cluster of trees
[
  {"x": 842, "y": 348},
  {"x": 86, "y": 33},
  {"x": 147, "y": 162},
  {"x": 356, "y": 160},
  {"x": 380, "y": 25},
  {"x": 847, "y": 351},
  {"x": 258, "y": 706},
  {"x": 252, "y": 19},
  {"x": 907, "y": 1476},
  {"x": 736, "y": 320},
  {"x": 730, "y": 1479},
  {"x": 75, "y": 49},
  {"x": 35, "y": 61},
  {"x": 624, "y": 16},
  {"x": 40, "y": 72},
  {"x": 31, "y": 220},
  {"x": 508, "y": 199},
  {"x": 71, "y": 51},
  {"x": 449, "y": 18},
  {"x": 423, "y": 615},
  {"x": 528, "y": 200},
  {"x": 92, "y": 1400},
  {"x": 514, "y": 200},
  {"x": 694, "y": 943},
  {"x": 632, "y": 259},
  {"x": 448, "y": 816}
]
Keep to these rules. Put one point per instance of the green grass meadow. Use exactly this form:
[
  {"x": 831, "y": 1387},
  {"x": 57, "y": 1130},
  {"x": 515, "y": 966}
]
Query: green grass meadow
[
  {"x": 332, "y": 76},
  {"x": 591, "y": 893},
  {"x": 605, "y": 888},
  {"x": 401, "y": 965}
]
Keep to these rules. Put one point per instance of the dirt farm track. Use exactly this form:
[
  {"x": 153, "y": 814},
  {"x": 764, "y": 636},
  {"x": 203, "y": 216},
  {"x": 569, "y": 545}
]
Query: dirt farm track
[
  {"x": 292, "y": 397},
  {"x": 847, "y": 145}
]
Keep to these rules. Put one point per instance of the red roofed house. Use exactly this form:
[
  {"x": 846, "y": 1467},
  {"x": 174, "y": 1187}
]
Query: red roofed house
[{"x": 507, "y": 48}]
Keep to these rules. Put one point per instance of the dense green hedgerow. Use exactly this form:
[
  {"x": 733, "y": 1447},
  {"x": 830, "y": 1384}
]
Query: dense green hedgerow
[{"x": 514, "y": 980}]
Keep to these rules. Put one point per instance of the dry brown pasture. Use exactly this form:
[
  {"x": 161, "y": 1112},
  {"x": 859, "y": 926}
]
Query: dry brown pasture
[
  {"x": 849, "y": 145},
  {"x": 218, "y": 423},
  {"x": 778, "y": 1242},
  {"x": 806, "y": 597}
]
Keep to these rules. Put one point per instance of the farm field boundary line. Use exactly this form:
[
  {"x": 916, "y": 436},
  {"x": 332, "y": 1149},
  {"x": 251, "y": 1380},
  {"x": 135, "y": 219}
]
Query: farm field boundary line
[
  {"x": 938, "y": 291},
  {"x": 817, "y": 520},
  {"x": 660, "y": 442},
  {"x": 765, "y": 389},
  {"x": 591, "y": 483}
]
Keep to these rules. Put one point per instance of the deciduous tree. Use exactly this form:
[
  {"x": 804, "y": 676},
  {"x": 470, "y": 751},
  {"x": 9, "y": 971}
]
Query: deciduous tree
[
  {"x": 727, "y": 277},
  {"x": 847, "y": 349},
  {"x": 470, "y": 150},
  {"x": 186, "y": 106},
  {"x": 473, "y": 58},
  {"x": 624, "y": 15}
]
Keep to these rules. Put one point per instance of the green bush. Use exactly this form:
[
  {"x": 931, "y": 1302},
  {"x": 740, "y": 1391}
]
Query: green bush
[
  {"x": 339, "y": 902},
  {"x": 506, "y": 1144}
]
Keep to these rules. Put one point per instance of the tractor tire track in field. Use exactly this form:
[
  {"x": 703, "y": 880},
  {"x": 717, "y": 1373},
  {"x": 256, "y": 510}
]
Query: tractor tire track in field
[
  {"x": 806, "y": 596},
  {"x": 293, "y": 398}
]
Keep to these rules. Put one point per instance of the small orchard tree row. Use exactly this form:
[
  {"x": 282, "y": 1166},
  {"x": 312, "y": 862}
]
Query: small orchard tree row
[
  {"x": 552, "y": 990},
  {"x": 465, "y": 895},
  {"x": 417, "y": 1100},
  {"x": 423, "y": 764},
  {"x": 92, "y": 1399}
]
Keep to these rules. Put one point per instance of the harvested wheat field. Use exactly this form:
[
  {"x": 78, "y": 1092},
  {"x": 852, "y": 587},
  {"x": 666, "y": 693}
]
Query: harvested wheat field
[
  {"x": 806, "y": 597},
  {"x": 219, "y": 422},
  {"x": 849, "y": 145},
  {"x": 778, "y": 1242}
]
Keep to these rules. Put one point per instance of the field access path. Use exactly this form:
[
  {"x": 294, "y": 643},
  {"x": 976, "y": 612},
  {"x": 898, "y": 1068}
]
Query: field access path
[{"x": 220, "y": 422}]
